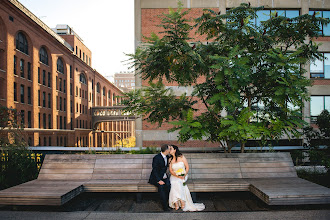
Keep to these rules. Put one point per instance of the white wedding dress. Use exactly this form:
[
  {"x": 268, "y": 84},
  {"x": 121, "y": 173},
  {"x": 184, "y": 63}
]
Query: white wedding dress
[{"x": 181, "y": 192}]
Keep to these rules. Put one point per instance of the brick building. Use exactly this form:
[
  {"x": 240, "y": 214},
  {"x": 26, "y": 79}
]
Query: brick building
[
  {"x": 125, "y": 81},
  {"x": 48, "y": 78},
  {"x": 146, "y": 21}
]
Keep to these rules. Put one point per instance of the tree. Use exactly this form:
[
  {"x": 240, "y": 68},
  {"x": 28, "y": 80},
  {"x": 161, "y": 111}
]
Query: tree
[
  {"x": 252, "y": 72},
  {"x": 17, "y": 162}
]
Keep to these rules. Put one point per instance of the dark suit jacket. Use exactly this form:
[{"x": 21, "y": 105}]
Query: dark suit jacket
[{"x": 158, "y": 169}]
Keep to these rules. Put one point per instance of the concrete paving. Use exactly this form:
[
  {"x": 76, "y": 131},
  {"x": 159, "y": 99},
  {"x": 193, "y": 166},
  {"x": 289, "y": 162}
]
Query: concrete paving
[
  {"x": 230, "y": 205},
  {"x": 280, "y": 215}
]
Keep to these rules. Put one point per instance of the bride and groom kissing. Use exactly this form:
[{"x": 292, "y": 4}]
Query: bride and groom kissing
[{"x": 173, "y": 191}]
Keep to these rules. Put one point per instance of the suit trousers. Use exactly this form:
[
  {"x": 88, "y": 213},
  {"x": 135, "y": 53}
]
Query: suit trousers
[{"x": 164, "y": 191}]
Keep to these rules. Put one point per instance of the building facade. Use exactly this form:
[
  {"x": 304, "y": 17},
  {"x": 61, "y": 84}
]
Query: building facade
[
  {"x": 125, "y": 81},
  {"x": 146, "y": 20},
  {"x": 47, "y": 76}
]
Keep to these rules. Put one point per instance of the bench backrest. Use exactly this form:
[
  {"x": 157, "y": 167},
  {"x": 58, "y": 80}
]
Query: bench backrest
[{"x": 138, "y": 166}]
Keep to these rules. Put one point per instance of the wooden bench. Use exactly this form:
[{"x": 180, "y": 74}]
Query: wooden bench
[{"x": 270, "y": 176}]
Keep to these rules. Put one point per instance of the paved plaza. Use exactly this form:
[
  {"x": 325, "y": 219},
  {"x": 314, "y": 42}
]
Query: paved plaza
[{"x": 229, "y": 205}]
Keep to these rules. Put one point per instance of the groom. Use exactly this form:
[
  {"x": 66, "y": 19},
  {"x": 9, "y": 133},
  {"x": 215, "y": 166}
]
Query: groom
[{"x": 158, "y": 176}]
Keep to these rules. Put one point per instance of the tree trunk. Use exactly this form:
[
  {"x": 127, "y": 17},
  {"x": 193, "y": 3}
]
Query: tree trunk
[{"x": 242, "y": 147}]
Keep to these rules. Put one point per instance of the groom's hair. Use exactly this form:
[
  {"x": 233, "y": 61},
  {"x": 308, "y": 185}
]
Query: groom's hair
[{"x": 164, "y": 147}]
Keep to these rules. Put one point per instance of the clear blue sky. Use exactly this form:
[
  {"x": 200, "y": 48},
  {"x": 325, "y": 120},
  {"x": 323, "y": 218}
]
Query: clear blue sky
[{"x": 106, "y": 27}]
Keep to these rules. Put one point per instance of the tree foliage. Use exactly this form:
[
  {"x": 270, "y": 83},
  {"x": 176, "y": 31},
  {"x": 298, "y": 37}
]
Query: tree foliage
[
  {"x": 17, "y": 164},
  {"x": 252, "y": 73}
]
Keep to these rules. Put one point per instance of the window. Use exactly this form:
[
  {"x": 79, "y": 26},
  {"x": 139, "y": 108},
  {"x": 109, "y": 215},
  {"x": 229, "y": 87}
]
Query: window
[
  {"x": 76, "y": 50},
  {"x": 61, "y": 103},
  {"x": 21, "y": 65},
  {"x": 64, "y": 86},
  {"x": 83, "y": 79},
  {"x": 49, "y": 101},
  {"x": 83, "y": 56},
  {"x": 22, "y": 93},
  {"x": 64, "y": 104},
  {"x": 324, "y": 29},
  {"x": 71, "y": 106},
  {"x": 103, "y": 91},
  {"x": 98, "y": 88},
  {"x": 15, "y": 91},
  {"x": 29, "y": 119},
  {"x": 38, "y": 74},
  {"x": 76, "y": 90},
  {"x": 318, "y": 104},
  {"x": 43, "y": 56},
  {"x": 64, "y": 121},
  {"x": 71, "y": 75},
  {"x": 56, "y": 83},
  {"x": 71, "y": 124},
  {"x": 321, "y": 69},
  {"x": 29, "y": 95},
  {"x": 44, "y": 77},
  {"x": 264, "y": 15},
  {"x": 60, "y": 122},
  {"x": 80, "y": 92},
  {"x": 49, "y": 80},
  {"x": 21, "y": 43},
  {"x": 60, "y": 65},
  {"x": 44, "y": 120},
  {"x": 39, "y": 98},
  {"x": 49, "y": 122},
  {"x": 15, "y": 64},
  {"x": 29, "y": 71},
  {"x": 43, "y": 99},
  {"x": 109, "y": 94},
  {"x": 60, "y": 82},
  {"x": 39, "y": 115},
  {"x": 50, "y": 141},
  {"x": 22, "y": 118},
  {"x": 70, "y": 88}
]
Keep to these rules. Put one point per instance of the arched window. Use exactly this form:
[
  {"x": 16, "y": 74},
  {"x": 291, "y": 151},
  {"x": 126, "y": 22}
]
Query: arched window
[
  {"x": 83, "y": 79},
  {"x": 109, "y": 94},
  {"x": 43, "y": 56},
  {"x": 98, "y": 88},
  {"x": 22, "y": 43},
  {"x": 60, "y": 65},
  {"x": 103, "y": 91}
]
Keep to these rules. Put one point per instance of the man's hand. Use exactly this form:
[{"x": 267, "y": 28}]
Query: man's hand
[{"x": 161, "y": 182}]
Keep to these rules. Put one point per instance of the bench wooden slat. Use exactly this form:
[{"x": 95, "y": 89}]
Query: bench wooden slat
[
  {"x": 64, "y": 176},
  {"x": 68, "y": 165},
  {"x": 59, "y": 171},
  {"x": 119, "y": 166}
]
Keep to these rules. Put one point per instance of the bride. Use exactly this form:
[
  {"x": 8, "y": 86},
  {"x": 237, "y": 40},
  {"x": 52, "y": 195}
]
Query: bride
[{"x": 180, "y": 194}]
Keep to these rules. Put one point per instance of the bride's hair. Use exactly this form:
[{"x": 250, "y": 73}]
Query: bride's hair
[{"x": 177, "y": 152}]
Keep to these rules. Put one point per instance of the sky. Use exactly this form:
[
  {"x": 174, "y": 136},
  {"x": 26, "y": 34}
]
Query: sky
[{"x": 106, "y": 27}]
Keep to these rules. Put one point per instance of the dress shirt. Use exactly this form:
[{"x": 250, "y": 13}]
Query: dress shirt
[{"x": 165, "y": 159}]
